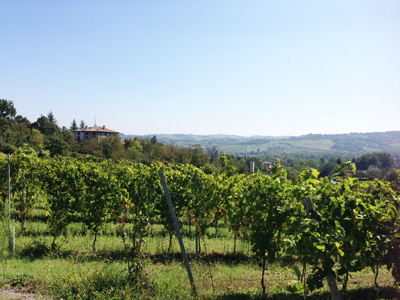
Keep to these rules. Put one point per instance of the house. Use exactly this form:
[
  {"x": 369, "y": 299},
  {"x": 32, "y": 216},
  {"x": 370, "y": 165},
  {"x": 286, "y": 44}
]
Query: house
[
  {"x": 266, "y": 165},
  {"x": 88, "y": 133}
]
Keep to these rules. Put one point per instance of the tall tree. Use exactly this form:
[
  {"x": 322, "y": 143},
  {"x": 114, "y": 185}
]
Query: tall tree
[
  {"x": 212, "y": 153},
  {"x": 82, "y": 125},
  {"x": 51, "y": 118},
  {"x": 7, "y": 114},
  {"x": 46, "y": 127},
  {"x": 7, "y": 109},
  {"x": 153, "y": 140},
  {"x": 73, "y": 126}
]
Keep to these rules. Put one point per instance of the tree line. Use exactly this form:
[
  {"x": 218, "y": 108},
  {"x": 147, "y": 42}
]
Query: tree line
[{"x": 48, "y": 139}]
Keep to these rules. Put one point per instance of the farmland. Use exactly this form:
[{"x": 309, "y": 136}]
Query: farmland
[
  {"x": 102, "y": 230},
  {"x": 260, "y": 145},
  {"x": 278, "y": 145},
  {"x": 74, "y": 271}
]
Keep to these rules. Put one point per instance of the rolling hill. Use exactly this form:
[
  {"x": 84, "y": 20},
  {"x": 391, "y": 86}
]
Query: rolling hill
[{"x": 352, "y": 142}]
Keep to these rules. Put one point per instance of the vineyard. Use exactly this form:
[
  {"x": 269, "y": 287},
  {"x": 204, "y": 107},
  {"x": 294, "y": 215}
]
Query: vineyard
[{"x": 325, "y": 229}]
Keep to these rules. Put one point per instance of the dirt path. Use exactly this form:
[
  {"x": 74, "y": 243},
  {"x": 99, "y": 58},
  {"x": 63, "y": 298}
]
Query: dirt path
[{"x": 18, "y": 295}]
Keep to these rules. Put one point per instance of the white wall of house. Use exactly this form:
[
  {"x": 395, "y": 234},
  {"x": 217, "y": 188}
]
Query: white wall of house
[{"x": 79, "y": 135}]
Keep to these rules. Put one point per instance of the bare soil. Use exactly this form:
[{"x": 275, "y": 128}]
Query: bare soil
[{"x": 19, "y": 295}]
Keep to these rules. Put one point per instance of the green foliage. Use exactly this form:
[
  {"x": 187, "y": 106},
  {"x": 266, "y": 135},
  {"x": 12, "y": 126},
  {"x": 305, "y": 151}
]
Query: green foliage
[
  {"x": 56, "y": 145},
  {"x": 111, "y": 146},
  {"x": 7, "y": 109},
  {"x": 270, "y": 206},
  {"x": 342, "y": 224},
  {"x": 74, "y": 126},
  {"x": 46, "y": 127},
  {"x": 134, "y": 239},
  {"x": 337, "y": 224},
  {"x": 4, "y": 237}
]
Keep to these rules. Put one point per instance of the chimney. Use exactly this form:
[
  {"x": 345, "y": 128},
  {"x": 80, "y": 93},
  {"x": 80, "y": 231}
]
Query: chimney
[{"x": 104, "y": 126}]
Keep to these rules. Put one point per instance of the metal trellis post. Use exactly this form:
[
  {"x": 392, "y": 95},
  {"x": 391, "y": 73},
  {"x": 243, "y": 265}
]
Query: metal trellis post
[{"x": 178, "y": 232}]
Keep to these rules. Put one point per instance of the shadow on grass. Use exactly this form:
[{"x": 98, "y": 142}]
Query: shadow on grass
[
  {"x": 231, "y": 259},
  {"x": 35, "y": 252},
  {"x": 383, "y": 293},
  {"x": 38, "y": 249}
]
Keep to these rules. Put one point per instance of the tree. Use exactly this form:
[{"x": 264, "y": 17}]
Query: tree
[
  {"x": 21, "y": 131},
  {"x": 153, "y": 140},
  {"x": 51, "y": 118},
  {"x": 56, "y": 145},
  {"x": 82, "y": 125},
  {"x": 7, "y": 114},
  {"x": 73, "y": 126},
  {"x": 67, "y": 134},
  {"x": 198, "y": 157},
  {"x": 133, "y": 148},
  {"x": 328, "y": 168},
  {"x": 312, "y": 163},
  {"x": 292, "y": 173},
  {"x": 212, "y": 153},
  {"x": 7, "y": 109},
  {"x": 91, "y": 146},
  {"x": 36, "y": 140},
  {"x": 385, "y": 159},
  {"x": 46, "y": 127},
  {"x": 374, "y": 172},
  {"x": 111, "y": 145}
]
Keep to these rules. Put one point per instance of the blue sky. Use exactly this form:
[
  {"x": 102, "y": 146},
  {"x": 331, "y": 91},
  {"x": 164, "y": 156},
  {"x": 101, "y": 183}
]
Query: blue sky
[{"x": 205, "y": 67}]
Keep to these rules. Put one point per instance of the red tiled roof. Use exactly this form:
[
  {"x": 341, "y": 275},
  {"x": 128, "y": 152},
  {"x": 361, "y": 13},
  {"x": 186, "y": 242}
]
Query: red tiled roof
[{"x": 96, "y": 129}]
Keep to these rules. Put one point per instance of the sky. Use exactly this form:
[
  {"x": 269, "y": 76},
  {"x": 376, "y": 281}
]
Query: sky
[{"x": 278, "y": 68}]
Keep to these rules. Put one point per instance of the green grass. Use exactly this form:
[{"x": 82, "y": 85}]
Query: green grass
[
  {"x": 66, "y": 279},
  {"x": 76, "y": 279},
  {"x": 74, "y": 271},
  {"x": 320, "y": 145}
]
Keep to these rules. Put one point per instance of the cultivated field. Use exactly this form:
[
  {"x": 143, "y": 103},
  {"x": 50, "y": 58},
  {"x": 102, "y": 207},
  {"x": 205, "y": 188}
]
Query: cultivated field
[
  {"x": 74, "y": 271},
  {"x": 103, "y": 230}
]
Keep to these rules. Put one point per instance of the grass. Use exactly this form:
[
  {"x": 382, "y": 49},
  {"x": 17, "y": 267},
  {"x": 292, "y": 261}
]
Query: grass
[
  {"x": 74, "y": 271},
  {"x": 68, "y": 279},
  {"x": 71, "y": 278}
]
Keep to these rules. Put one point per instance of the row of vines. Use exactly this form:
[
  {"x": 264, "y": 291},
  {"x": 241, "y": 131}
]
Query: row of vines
[{"x": 337, "y": 225}]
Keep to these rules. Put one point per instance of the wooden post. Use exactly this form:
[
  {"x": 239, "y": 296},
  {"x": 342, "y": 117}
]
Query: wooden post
[
  {"x": 10, "y": 243},
  {"x": 23, "y": 202},
  {"x": 178, "y": 232},
  {"x": 13, "y": 239},
  {"x": 198, "y": 250},
  {"x": 335, "y": 294}
]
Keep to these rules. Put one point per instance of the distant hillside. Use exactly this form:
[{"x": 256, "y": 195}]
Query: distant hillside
[
  {"x": 204, "y": 140},
  {"x": 352, "y": 142}
]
